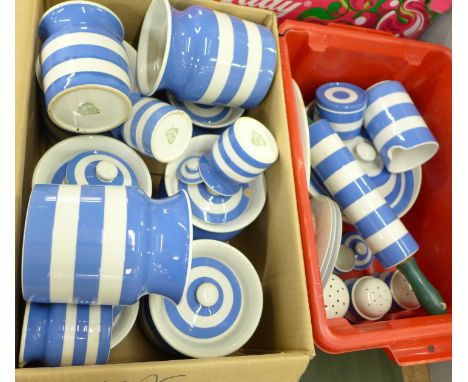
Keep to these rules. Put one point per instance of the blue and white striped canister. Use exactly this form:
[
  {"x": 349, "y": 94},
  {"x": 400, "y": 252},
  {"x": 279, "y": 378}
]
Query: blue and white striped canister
[
  {"x": 220, "y": 309},
  {"x": 100, "y": 168},
  {"x": 235, "y": 59},
  {"x": 342, "y": 105},
  {"x": 358, "y": 198},
  {"x": 240, "y": 154},
  {"x": 104, "y": 245},
  {"x": 65, "y": 335},
  {"x": 157, "y": 129},
  {"x": 396, "y": 127},
  {"x": 85, "y": 77},
  {"x": 208, "y": 116},
  {"x": 361, "y": 250}
]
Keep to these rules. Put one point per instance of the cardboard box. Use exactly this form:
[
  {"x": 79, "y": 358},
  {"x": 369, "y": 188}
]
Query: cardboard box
[{"x": 282, "y": 345}]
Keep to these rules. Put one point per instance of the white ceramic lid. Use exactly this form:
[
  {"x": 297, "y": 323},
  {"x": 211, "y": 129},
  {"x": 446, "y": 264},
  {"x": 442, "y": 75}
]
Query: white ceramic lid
[
  {"x": 52, "y": 166},
  {"x": 255, "y": 192},
  {"x": 221, "y": 306},
  {"x": 371, "y": 298},
  {"x": 335, "y": 297}
]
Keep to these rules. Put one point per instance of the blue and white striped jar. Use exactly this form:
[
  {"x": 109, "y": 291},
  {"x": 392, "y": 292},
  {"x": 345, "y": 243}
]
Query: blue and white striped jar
[
  {"x": 84, "y": 67},
  {"x": 403, "y": 295},
  {"x": 244, "y": 151},
  {"x": 215, "y": 216},
  {"x": 396, "y": 127},
  {"x": 208, "y": 116},
  {"x": 105, "y": 245},
  {"x": 157, "y": 129},
  {"x": 362, "y": 252},
  {"x": 65, "y": 334},
  {"x": 342, "y": 105},
  {"x": 220, "y": 309},
  {"x": 358, "y": 198},
  {"x": 235, "y": 59}
]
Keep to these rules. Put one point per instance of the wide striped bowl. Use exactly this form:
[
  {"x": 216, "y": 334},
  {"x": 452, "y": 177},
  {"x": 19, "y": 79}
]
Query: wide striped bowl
[
  {"x": 358, "y": 198},
  {"x": 220, "y": 309},
  {"x": 105, "y": 245},
  {"x": 157, "y": 129},
  {"x": 65, "y": 334},
  {"x": 396, "y": 127},
  {"x": 241, "y": 153},
  {"x": 236, "y": 59}
]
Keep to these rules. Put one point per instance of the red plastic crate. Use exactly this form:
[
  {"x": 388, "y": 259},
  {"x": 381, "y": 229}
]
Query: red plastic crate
[{"x": 315, "y": 54}]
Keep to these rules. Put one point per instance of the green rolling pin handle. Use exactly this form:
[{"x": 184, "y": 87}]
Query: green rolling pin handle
[{"x": 428, "y": 296}]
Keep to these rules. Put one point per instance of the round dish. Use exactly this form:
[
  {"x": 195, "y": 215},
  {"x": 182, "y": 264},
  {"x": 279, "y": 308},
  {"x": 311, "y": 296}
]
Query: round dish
[{"x": 123, "y": 323}]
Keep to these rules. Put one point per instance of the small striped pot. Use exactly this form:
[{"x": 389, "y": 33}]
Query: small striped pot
[
  {"x": 157, "y": 129},
  {"x": 104, "y": 245},
  {"x": 397, "y": 129},
  {"x": 84, "y": 68},
  {"x": 65, "y": 334},
  {"x": 342, "y": 105},
  {"x": 358, "y": 198},
  {"x": 244, "y": 151},
  {"x": 219, "y": 311},
  {"x": 236, "y": 59},
  {"x": 362, "y": 253}
]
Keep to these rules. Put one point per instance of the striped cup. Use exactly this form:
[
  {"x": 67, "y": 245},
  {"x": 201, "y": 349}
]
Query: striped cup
[
  {"x": 397, "y": 129},
  {"x": 84, "y": 67},
  {"x": 239, "y": 155},
  {"x": 358, "y": 198},
  {"x": 104, "y": 245},
  {"x": 65, "y": 334}
]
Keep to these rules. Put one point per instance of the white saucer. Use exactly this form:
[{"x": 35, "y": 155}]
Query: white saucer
[
  {"x": 303, "y": 129},
  {"x": 123, "y": 323},
  {"x": 328, "y": 228}
]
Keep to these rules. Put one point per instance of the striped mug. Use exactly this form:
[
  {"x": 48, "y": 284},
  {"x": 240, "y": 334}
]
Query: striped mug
[
  {"x": 104, "y": 245},
  {"x": 205, "y": 56},
  {"x": 358, "y": 197},
  {"x": 65, "y": 334},
  {"x": 396, "y": 127},
  {"x": 84, "y": 67}
]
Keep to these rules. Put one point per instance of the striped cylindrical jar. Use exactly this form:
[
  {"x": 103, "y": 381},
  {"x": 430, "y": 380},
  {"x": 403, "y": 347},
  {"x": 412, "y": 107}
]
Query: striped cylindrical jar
[
  {"x": 106, "y": 245},
  {"x": 358, "y": 198},
  {"x": 205, "y": 56}
]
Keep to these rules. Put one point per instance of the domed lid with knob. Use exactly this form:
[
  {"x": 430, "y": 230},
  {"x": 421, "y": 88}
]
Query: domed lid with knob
[
  {"x": 221, "y": 306},
  {"x": 362, "y": 252},
  {"x": 335, "y": 297}
]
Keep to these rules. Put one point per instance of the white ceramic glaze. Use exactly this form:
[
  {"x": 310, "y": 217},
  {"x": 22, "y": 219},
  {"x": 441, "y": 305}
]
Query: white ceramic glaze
[
  {"x": 123, "y": 323},
  {"x": 371, "y": 298},
  {"x": 335, "y": 297}
]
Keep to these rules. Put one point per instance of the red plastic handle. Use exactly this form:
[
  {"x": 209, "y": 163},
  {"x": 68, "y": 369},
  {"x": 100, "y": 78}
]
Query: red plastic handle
[{"x": 407, "y": 354}]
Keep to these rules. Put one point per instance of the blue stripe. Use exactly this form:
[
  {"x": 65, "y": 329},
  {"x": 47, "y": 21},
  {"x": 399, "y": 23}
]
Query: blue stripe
[
  {"x": 84, "y": 14},
  {"x": 242, "y": 154},
  {"x": 89, "y": 245},
  {"x": 199, "y": 233},
  {"x": 383, "y": 89},
  {"x": 376, "y": 221},
  {"x": 408, "y": 139},
  {"x": 60, "y": 174},
  {"x": 193, "y": 303},
  {"x": 397, "y": 252},
  {"x": 81, "y": 334},
  {"x": 391, "y": 115},
  {"x": 134, "y": 266},
  {"x": 353, "y": 191},
  {"x": 381, "y": 178},
  {"x": 136, "y": 119},
  {"x": 233, "y": 166},
  {"x": 239, "y": 63},
  {"x": 37, "y": 244},
  {"x": 337, "y": 117},
  {"x": 332, "y": 163},
  {"x": 267, "y": 68},
  {"x": 393, "y": 195},
  {"x": 150, "y": 126},
  {"x": 197, "y": 118},
  {"x": 82, "y": 51},
  {"x": 318, "y": 131},
  {"x": 104, "y": 335},
  {"x": 71, "y": 31},
  {"x": 85, "y": 78},
  {"x": 405, "y": 199}
]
